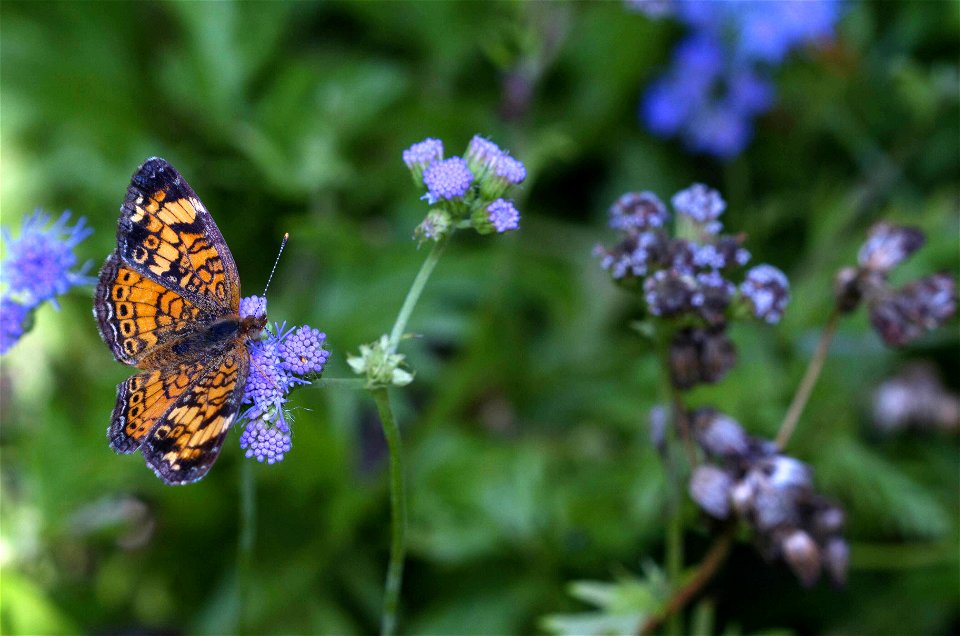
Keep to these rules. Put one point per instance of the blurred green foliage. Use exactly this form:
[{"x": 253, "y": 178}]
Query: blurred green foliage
[{"x": 529, "y": 465}]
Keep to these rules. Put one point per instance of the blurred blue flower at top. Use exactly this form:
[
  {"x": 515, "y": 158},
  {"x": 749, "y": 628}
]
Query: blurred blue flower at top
[
  {"x": 41, "y": 261},
  {"x": 718, "y": 80},
  {"x": 761, "y": 30},
  {"x": 13, "y": 315}
]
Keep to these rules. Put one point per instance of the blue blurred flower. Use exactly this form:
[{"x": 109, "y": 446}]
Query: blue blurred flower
[
  {"x": 503, "y": 215},
  {"x": 467, "y": 191},
  {"x": 13, "y": 315},
  {"x": 767, "y": 291},
  {"x": 422, "y": 154},
  {"x": 718, "y": 81},
  {"x": 482, "y": 154},
  {"x": 638, "y": 211},
  {"x": 41, "y": 261},
  {"x": 447, "y": 179},
  {"x": 279, "y": 361},
  {"x": 702, "y": 205}
]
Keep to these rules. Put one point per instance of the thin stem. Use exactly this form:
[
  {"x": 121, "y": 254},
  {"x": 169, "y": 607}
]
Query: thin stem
[
  {"x": 683, "y": 424},
  {"x": 344, "y": 383},
  {"x": 398, "y": 510},
  {"x": 674, "y": 556},
  {"x": 809, "y": 381},
  {"x": 673, "y": 465},
  {"x": 705, "y": 571},
  {"x": 415, "y": 290},
  {"x": 248, "y": 534}
]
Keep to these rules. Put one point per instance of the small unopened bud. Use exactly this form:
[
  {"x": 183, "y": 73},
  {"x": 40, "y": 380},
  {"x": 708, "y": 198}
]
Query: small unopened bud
[
  {"x": 836, "y": 559},
  {"x": 710, "y": 488},
  {"x": 659, "y": 418},
  {"x": 802, "y": 555},
  {"x": 828, "y": 521},
  {"x": 915, "y": 398},
  {"x": 904, "y": 315},
  {"x": 719, "y": 435},
  {"x": 846, "y": 289},
  {"x": 700, "y": 355},
  {"x": 742, "y": 495},
  {"x": 889, "y": 245},
  {"x": 717, "y": 355},
  {"x": 781, "y": 483}
]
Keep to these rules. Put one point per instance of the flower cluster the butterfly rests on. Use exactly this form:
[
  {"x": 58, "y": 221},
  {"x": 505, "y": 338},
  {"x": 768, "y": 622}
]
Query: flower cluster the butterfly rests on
[
  {"x": 282, "y": 359},
  {"x": 40, "y": 266}
]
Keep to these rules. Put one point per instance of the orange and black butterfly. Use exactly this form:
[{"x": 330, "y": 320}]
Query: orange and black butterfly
[{"x": 168, "y": 303}]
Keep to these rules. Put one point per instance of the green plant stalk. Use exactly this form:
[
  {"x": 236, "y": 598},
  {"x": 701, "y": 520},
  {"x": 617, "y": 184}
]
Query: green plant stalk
[
  {"x": 248, "y": 534},
  {"x": 398, "y": 508},
  {"x": 416, "y": 289},
  {"x": 810, "y": 377},
  {"x": 678, "y": 445},
  {"x": 674, "y": 556}
]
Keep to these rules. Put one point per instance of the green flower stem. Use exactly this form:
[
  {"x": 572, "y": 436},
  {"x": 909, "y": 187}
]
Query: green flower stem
[
  {"x": 809, "y": 381},
  {"x": 704, "y": 572},
  {"x": 398, "y": 507},
  {"x": 680, "y": 443},
  {"x": 674, "y": 556},
  {"x": 343, "y": 383},
  {"x": 416, "y": 289},
  {"x": 248, "y": 534}
]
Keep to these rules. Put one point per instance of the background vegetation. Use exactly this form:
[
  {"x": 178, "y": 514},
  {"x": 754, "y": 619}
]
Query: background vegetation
[{"x": 530, "y": 465}]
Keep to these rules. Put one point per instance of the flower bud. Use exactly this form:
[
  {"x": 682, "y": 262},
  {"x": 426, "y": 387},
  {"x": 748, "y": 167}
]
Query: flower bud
[
  {"x": 802, "y": 555},
  {"x": 836, "y": 559},
  {"x": 719, "y": 435},
  {"x": 889, "y": 245},
  {"x": 710, "y": 489}
]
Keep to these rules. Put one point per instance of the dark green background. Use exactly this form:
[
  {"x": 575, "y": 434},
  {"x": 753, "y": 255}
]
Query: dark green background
[{"x": 529, "y": 465}]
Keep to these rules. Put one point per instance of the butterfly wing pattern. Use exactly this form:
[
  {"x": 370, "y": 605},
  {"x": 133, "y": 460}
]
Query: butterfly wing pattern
[{"x": 168, "y": 303}]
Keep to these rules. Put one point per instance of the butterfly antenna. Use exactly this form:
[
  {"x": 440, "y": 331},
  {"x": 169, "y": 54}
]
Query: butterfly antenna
[{"x": 283, "y": 244}]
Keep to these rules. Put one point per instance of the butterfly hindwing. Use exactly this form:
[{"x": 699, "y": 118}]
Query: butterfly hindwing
[
  {"x": 185, "y": 443},
  {"x": 142, "y": 400}
]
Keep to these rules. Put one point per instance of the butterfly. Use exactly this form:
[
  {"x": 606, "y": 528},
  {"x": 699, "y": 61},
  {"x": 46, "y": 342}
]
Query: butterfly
[{"x": 168, "y": 303}]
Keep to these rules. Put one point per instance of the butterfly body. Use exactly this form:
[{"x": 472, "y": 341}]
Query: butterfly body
[{"x": 168, "y": 303}]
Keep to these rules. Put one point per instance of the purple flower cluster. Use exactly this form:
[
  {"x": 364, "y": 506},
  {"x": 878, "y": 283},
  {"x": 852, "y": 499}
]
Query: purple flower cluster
[
  {"x": 748, "y": 477},
  {"x": 40, "y": 265},
  {"x": 465, "y": 190},
  {"x": 719, "y": 77},
  {"x": 899, "y": 315},
  {"x": 683, "y": 276},
  {"x": 281, "y": 360}
]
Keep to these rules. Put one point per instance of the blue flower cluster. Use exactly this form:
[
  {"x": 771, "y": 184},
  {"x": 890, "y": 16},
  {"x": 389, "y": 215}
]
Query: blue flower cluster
[
  {"x": 751, "y": 479},
  {"x": 719, "y": 77},
  {"x": 40, "y": 265},
  {"x": 282, "y": 359},
  {"x": 898, "y": 315},
  {"x": 465, "y": 191},
  {"x": 682, "y": 273}
]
